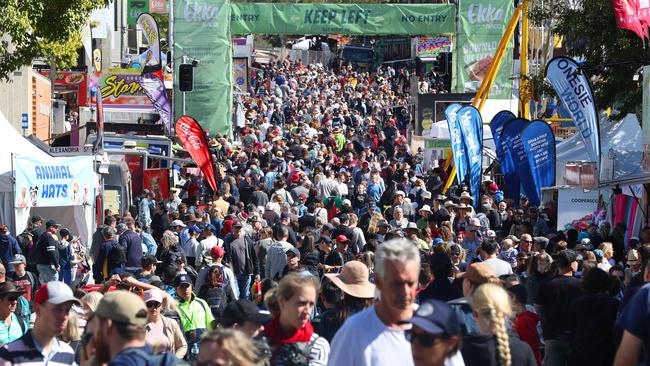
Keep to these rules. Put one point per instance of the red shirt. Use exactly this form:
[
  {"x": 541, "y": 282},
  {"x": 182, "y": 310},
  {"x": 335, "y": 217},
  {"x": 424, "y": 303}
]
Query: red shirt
[{"x": 525, "y": 325}]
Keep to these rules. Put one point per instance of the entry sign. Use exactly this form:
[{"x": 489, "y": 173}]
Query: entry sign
[{"x": 25, "y": 121}]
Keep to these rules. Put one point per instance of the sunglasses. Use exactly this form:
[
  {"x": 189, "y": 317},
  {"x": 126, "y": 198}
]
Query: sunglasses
[
  {"x": 153, "y": 304},
  {"x": 423, "y": 339},
  {"x": 527, "y": 241}
]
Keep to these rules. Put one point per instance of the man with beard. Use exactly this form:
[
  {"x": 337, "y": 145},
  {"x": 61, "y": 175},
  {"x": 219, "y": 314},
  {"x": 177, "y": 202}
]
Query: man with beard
[
  {"x": 40, "y": 345},
  {"x": 119, "y": 337}
]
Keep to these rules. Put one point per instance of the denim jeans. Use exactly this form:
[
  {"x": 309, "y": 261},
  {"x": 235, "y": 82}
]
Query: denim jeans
[
  {"x": 47, "y": 273},
  {"x": 244, "y": 285}
]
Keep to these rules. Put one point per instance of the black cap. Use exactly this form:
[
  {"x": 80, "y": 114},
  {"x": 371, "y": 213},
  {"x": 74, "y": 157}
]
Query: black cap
[
  {"x": 328, "y": 227},
  {"x": 51, "y": 223},
  {"x": 238, "y": 312},
  {"x": 182, "y": 279},
  {"x": 294, "y": 251}
]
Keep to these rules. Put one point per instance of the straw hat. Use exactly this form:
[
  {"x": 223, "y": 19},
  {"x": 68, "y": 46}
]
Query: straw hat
[
  {"x": 353, "y": 280},
  {"x": 466, "y": 196}
]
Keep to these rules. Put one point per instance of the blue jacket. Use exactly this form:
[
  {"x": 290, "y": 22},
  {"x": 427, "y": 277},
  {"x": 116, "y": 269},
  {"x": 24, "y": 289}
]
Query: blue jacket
[{"x": 8, "y": 248}]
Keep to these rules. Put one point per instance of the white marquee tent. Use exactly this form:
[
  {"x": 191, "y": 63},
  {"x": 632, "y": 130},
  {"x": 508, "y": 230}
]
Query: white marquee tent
[{"x": 79, "y": 219}]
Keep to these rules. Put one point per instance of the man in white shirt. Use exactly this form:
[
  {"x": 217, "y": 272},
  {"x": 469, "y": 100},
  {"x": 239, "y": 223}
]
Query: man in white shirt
[
  {"x": 375, "y": 336},
  {"x": 276, "y": 256},
  {"x": 206, "y": 245},
  {"x": 488, "y": 252}
]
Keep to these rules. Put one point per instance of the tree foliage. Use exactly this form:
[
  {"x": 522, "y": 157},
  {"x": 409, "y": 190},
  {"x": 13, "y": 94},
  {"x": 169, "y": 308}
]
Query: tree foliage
[
  {"x": 30, "y": 29},
  {"x": 611, "y": 55}
]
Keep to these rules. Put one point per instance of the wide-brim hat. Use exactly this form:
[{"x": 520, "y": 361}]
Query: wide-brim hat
[
  {"x": 425, "y": 208},
  {"x": 9, "y": 288},
  {"x": 466, "y": 196},
  {"x": 353, "y": 280}
]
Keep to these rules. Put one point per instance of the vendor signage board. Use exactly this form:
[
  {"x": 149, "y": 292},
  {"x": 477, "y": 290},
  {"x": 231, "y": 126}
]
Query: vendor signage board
[
  {"x": 575, "y": 203},
  {"x": 65, "y": 181}
]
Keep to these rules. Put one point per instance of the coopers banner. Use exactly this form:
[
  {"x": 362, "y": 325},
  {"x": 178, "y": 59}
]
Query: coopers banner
[
  {"x": 202, "y": 33},
  {"x": 511, "y": 140},
  {"x": 503, "y": 154},
  {"x": 482, "y": 24},
  {"x": 574, "y": 90},
  {"x": 471, "y": 127},
  {"x": 539, "y": 144},
  {"x": 457, "y": 144},
  {"x": 68, "y": 181},
  {"x": 366, "y": 19},
  {"x": 192, "y": 137}
]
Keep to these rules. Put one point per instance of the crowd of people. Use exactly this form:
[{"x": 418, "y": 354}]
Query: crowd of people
[{"x": 326, "y": 242}]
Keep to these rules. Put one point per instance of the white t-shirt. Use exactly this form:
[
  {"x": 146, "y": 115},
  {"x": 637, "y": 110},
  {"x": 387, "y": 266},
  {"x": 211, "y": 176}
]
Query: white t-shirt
[
  {"x": 365, "y": 340},
  {"x": 499, "y": 267}
]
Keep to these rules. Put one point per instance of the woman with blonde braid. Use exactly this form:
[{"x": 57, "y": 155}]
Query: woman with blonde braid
[{"x": 493, "y": 346}]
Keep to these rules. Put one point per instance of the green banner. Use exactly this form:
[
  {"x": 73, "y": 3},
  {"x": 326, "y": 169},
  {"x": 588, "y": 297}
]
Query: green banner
[
  {"x": 365, "y": 19},
  {"x": 482, "y": 24},
  {"x": 134, "y": 9},
  {"x": 202, "y": 33}
]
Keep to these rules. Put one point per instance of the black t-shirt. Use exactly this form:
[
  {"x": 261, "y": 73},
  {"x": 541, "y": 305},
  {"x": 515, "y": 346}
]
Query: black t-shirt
[
  {"x": 482, "y": 350},
  {"x": 555, "y": 297},
  {"x": 593, "y": 316},
  {"x": 27, "y": 283}
]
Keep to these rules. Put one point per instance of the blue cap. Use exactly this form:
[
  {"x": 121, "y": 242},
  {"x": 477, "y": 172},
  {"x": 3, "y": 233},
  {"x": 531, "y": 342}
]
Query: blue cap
[
  {"x": 438, "y": 241},
  {"x": 194, "y": 229},
  {"x": 436, "y": 317},
  {"x": 211, "y": 228}
]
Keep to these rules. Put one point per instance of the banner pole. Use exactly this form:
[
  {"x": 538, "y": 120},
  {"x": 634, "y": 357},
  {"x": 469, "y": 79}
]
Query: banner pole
[
  {"x": 524, "y": 84},
  {"x": 171, "y": 63},
  {"x": 487, "y": 82},
  {"x": 451, "y": 178}
]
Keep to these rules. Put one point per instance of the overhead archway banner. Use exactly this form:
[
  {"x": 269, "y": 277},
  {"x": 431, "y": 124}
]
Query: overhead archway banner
[{"x": 366, "y": 19}]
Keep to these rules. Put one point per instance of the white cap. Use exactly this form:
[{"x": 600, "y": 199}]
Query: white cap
[{"x": 177, "y": 223}]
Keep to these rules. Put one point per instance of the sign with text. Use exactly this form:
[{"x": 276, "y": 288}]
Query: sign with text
[
  {"x": 575, "y": 203},
  {"x": 539, "y": 145},
  {"x": 471, "y": 127},
  {"x": 482, "y": 24},
  {"x": 505, "y": 159},
  {"x": 202, "y": 32},
  {"x": 121, "y": 88},
  {"x": 58, "y": 182},
  {"x": 70, "y": 150},
  {"x": 573, "y": 89},
  {"x": 328, "y": 18}
]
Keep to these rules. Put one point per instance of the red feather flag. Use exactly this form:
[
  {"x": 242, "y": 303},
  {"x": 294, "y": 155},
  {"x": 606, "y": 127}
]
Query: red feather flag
[
  {"x": 191, "y": 135},
  {"x": 628, "y": 16}
]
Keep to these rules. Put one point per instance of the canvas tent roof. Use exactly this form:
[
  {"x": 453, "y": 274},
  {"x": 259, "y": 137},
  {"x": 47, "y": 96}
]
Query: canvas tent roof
[
  {"x": 13, "y": 143},
  {"x": 619, "y": 141}
]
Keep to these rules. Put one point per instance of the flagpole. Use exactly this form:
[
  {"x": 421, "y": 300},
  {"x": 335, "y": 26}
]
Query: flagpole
[{"x": 170, "y": 61}]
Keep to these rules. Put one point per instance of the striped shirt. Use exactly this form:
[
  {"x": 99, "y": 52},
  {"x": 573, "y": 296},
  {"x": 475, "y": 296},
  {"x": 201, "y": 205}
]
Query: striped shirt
[{"x": 25, "y": 351}]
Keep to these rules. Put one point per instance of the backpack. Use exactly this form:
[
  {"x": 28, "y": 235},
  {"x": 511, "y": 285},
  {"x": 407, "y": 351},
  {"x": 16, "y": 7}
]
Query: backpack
[
  {"x": 217, "y": 299},
  {"x": 117, "y": 254},
  {"x": 25, "y": 242}
]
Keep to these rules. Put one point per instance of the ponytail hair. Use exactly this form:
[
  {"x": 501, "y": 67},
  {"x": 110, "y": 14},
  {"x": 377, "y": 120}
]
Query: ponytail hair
[{"x": 492, "y": 304}]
